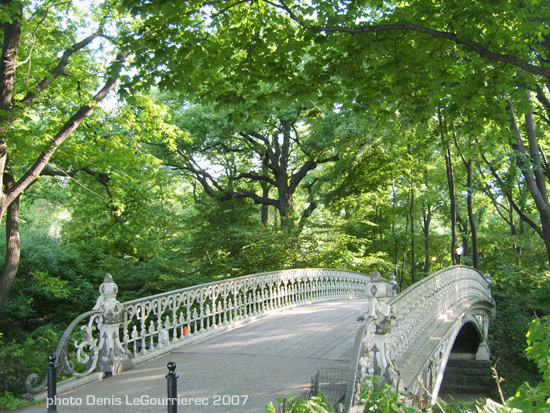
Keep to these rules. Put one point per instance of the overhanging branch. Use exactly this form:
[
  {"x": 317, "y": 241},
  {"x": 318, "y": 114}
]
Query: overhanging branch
[
  {"x": 66, "y": 130},
  {"x": 59, "y": 69},
  {"x": 472, "y": 45}
]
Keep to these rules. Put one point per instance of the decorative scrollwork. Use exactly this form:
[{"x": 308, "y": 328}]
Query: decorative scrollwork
[
  {"x": 63, "y": 362},
  {"x": 154, "y": 324},
  {"x": 87, "y": 351}
]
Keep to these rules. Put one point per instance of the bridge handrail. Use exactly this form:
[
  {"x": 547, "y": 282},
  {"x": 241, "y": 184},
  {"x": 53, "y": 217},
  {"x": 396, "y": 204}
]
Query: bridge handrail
[
  {"x": 387, "y": 338},
  {"x": 424, "y": 302},
  {"x": 310, "y": 272},
  {"x": 154, "y": 322},
  {"x": 118, "y": 335}
]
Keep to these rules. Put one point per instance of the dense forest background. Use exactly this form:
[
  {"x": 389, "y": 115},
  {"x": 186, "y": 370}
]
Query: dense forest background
[{"x": 171, "y": 144}]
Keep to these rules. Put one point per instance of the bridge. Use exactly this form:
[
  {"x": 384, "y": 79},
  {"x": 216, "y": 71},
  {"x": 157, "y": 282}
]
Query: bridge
[{"x": 295, "y": 321}]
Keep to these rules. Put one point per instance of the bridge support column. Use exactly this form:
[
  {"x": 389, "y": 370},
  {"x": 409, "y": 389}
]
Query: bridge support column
[
  {"x": 112, "y": 357},
  {"x": 483, "y": 351}
]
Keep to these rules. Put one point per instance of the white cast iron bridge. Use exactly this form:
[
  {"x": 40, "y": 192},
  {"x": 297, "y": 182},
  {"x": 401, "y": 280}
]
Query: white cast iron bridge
[{"x": 359, "y": 320}]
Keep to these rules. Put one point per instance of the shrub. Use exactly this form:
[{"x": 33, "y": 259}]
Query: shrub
[
  {"x": 317, "y": 404},
  {"x": 22, "y": 354}
]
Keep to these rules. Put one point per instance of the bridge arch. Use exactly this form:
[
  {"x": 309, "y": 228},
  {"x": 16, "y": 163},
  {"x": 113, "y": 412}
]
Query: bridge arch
[
  {"x": 466, "y": 339},
  {"x": 407, "y": 340}
]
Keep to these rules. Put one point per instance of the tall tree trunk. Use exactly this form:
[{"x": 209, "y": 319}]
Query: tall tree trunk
[
  {"x": 452, "y": 200},
  {"x": 13, "y": 251},
  {"x": 13, "y": 247},
  {"x": 394, "y": 235},
  {"x": 426, "y": 218},
  {"x": 285, "y": 204},
  {"x": 265, "y": 208},
  {"x": 265, "y": 192},
  {"x": 411, "y": 215},
  {"x": 450, "y": 183},
  {"x": 404, "y": 259},
  {"x": 469, "y": 203},
  {"x": 532, "y": 170},
  {"x": 10, "y": 47},
  {"x": 471, "y": 217}
]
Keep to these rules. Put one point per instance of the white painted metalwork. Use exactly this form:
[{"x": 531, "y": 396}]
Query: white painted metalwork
[
  {"x": 117, "y": 335},
  {"x": 404, "y": 338},
  {"x": 407, "y": 339},
  {"x": 154, "y": 323}
]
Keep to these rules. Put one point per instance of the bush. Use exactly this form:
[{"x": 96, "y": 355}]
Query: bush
[
  {"x": 22, "y": 354},
  {"x": 317, "y": 404},
  {"x": 536, "y": 398},
  {"x": 9, "y": 402}
]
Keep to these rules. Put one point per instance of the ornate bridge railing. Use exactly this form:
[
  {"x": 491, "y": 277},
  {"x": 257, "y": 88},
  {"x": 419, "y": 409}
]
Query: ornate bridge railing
[
  {"x": 114, "y": 336},
  {"x": 407, "y": 339}
]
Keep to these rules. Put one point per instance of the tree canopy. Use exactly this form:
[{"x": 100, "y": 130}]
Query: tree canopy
[{"x": 172, "y": 143}]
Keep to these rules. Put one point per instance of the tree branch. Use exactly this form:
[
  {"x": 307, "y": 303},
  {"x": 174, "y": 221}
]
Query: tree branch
[
  {"x": 102, "y": 177},
  {"x": 511, "y": 201},
  {"x": 310, "y": 164},
  {"x": 248, "y": 194},
  {"x": 254, "y": 177},
  {"x": 59, "y": 69},
  {"x": 68, "y": 128},
  {"x": 472, "y": 45}
]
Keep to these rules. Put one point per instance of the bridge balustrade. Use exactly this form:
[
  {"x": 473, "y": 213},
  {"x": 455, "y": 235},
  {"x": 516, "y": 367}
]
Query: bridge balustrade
[
  {"x": 115, "y": 336},
  {"x": 407, "y": 339}
]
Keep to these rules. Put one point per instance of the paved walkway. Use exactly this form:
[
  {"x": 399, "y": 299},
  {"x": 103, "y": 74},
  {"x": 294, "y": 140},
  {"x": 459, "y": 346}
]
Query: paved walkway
[{"x": 239, "y": 370}]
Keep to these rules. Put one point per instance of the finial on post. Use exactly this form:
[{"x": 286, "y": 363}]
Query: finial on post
[
  {"x": 377, "y": 287},
  {"x": 113, "y": 357}
]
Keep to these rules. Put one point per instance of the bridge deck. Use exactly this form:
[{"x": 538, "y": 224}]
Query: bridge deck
[{"x": 272, "y": 357}]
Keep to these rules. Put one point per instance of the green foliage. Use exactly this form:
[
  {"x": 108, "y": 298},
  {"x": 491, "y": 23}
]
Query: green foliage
[
  {"x": 519, "y": 292},
  {"x": 381, "y": 397},
  {"x": 538, "y": 339},
  {"x": 490, "y": 406},
  {"x": 22, "y": 353},
  {"x": 452, "y": 406},
  {"x": 316, "y": 404},
  {"x": 373, "y": 99},
  {"x": 49, "y": 274},
  {"x": 537, "y": 397},
  {"x": 10, "y": 402}
]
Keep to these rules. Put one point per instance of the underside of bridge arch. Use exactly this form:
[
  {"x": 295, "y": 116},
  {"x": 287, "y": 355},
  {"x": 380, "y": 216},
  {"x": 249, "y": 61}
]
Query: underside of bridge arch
[
  {"x": 467, "y": 372},
  {"x": 466, "y": 343},
  {"x": 463, "y": 350}
]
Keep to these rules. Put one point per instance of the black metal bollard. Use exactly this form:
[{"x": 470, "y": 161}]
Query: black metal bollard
[
  {"x": 172, "y": 384},
  {"x": 52, "y": 384}
]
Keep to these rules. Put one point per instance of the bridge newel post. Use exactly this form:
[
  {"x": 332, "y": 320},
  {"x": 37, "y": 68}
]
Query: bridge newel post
[
  {"x": 370, "y": 351},
  {"x": 112, "y": 357},
  {"x": 380, "y": 290}
]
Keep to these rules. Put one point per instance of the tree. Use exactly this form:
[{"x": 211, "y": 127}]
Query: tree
[
  {"x": 523, "y": 41},
  {"x": 505, "y": 46},
  {"x": 35, "y": 31},
  {"x": 266, "y": 160}
]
